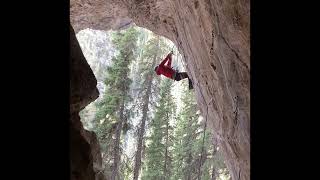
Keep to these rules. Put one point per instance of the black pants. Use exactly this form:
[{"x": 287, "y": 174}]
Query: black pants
[{"x": 180, "y": 75}]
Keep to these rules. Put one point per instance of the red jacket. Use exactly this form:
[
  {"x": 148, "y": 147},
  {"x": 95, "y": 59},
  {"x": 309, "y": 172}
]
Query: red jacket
[{"x": 166, "y": 70}]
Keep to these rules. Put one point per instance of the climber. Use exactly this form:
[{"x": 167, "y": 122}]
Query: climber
[{"x": 167, "y": 70}]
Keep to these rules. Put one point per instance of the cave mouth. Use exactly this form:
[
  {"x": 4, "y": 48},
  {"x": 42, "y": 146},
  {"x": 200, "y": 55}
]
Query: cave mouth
[{"x": 101, "y": 50}]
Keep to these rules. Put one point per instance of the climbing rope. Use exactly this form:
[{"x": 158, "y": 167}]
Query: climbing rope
[
  {"x": 204, "y": 135},
  {"x": 202, "y": 148}
]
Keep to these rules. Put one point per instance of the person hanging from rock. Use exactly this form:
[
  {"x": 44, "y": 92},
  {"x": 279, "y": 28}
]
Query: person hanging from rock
[{"x": 165, "y": 69}]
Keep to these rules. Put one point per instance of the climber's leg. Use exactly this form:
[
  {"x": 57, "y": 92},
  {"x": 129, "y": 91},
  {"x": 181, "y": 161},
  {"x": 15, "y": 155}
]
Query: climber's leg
[
  {"x": 180, "y": 75},
  {"x": 190, "y": 84}
]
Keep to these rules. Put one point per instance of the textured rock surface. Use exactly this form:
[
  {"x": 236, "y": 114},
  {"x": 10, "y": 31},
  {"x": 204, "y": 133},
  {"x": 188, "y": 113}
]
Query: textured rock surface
[
  {"x": 214, "y": 37},
  {"x": 85, "y": 155},
  {"x": 100, "y": 15}
]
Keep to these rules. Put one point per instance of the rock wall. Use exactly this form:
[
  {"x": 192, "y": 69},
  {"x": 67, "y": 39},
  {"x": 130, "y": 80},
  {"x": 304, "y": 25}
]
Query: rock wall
[
  {"x": 214, "y": 38},
  {"x": 85, "y": 156}
]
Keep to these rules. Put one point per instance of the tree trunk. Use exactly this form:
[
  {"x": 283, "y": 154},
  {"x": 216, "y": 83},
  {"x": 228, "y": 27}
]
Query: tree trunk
[
  {"x": 202, "y": 160},
  {"x": 142, "y": 129},
  {"x": 189, "y": 172},
  {"x": 145, "y": 110},
  {"x": 214, "y": 172},
  {"x": 165, "y": 169},
  {"x": 116, "y": 153},
  {"x": 189, "y": 158},
  {"x": 213, "y": 175}
]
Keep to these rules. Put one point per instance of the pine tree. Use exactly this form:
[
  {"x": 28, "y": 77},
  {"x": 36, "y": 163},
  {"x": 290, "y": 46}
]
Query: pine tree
[
  {"x": 146, "y": 89},
  {"x": 187, "y": 152},
  {"x": 151, "y": 54},
  {"x": 112, "y": 113},
  {"x": 158, "y": 152},
  {"x": 186, "y": 134},
  {"x": 205, "y": 146},
  {"x": 195, "y": 154}
]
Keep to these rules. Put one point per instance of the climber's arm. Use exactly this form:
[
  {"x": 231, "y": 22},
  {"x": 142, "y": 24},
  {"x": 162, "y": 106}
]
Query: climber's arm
[
  {"x": 164, "y": 61},
  {"x": 169, "y": 62},
  {"x": 167, "y": 59}
]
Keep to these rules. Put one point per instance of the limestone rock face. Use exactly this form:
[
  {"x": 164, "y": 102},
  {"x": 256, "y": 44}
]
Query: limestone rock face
[
  {"x": 214, "y": 38},
  {"x": 85, "y": 156},
  {"x": 99, "y": 14}
]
